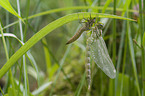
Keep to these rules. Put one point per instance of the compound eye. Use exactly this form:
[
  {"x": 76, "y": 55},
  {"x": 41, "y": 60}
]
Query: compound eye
[
  {"x": 100, "y": 25},
  {"x": 94, "y": 19}
]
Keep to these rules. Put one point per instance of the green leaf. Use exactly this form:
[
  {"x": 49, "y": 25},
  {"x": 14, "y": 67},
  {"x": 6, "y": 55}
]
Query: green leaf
[
  {"x": 6, "y": 5},
  {"x": 106, "y": 5},
  {"x": 53, "y": 69},
  {"x": 125, "y": 8},
  {"x": 123, "y": 83},
  {"x": 80, "y": 86},
  {"x": 47, "y": 29},
  {"x": 41, "y": 88},
  {"x": 66, "y": 9},
  {"x": 47, "y": 56}
]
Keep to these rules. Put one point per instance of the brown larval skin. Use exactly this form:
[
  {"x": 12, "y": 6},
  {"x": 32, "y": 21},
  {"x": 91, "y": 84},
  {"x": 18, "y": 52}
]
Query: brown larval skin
[{"x": 87, "y": 26}]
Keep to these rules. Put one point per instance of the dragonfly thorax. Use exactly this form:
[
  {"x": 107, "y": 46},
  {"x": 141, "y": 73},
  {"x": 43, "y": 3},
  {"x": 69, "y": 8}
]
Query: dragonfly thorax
[{"x": 100, "y": 25}]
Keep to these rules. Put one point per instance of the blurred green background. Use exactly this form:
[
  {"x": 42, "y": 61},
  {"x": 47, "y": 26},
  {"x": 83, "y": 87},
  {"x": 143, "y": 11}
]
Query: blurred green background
[{"x": 43, "y": 74}]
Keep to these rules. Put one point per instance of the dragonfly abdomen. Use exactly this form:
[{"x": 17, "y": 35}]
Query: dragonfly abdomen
[
  {"x": 77, "y": 35},
  {"x": 88, "y": 66}
]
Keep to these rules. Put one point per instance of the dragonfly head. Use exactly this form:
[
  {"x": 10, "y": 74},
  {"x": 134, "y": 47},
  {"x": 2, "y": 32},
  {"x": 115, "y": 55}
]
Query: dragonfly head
[{"x": 100, "y": 25}]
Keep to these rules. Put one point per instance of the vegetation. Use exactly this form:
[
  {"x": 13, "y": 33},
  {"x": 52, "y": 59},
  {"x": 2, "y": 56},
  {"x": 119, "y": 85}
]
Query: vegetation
[{"x": 35, "y": 60}]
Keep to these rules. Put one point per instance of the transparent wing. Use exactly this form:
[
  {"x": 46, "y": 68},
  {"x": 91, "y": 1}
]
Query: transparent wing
[{"x": 101, "y": 57}]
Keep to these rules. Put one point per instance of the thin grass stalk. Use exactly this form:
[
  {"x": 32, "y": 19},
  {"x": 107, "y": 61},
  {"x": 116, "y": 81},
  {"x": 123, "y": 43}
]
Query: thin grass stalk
[
  {"x": 26, "y": 21},
  {"x": 12, "y": 82},
  {"x": 20, "y": 22},
  {"x": 24, "y": 58},
  {"x": 8, "y": 77},
  {"x": 114, "y": 33},
  {"x": 131, "y": 49},
  {"x": 20, "y": 67},
  {"x": 114, "y": 39},
  {"x": 141, "y": 30},
  {"x": 7, "y": 30},
  {"x": 7, "y": 56},
  {"x": 120, "y": 52},
  {"x": 8, "y": 47},
  {"x": 1, "y": 91},
  {"x": 124, "y": 61},
  {"x": 102, "y": 85},
  {"x": 80, "y": 86},
  {"x": 4, "y": 42}
]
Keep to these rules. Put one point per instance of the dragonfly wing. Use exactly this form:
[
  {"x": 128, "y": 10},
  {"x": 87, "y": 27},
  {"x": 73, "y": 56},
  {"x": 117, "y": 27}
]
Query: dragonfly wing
[{"x": 101, "y": 57}]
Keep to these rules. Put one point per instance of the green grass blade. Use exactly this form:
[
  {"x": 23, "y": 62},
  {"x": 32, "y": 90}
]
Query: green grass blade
[
  {"x": 12, "y": 82},
  {"x": 141, "y": 30},
  {"x": 80, "y": 86},
  {"x": 41, "y": 88},
  {"x": 114, "y": 41},
  {"x": 65, "y": 9},
  {"x": 6, "y": 5},
  {"x": 33, "y": 62},
  {"x": 127, "y": 4},
  {"x": 120, "y": 53},
  {"x": 106, "y": 5},
  {"x": 47, "y": 29},
  {"x": 1, "y": 91},
  {"x": 13, "y": 36},
  {"x": 47, "y": 57},
  {"x": 4, "y": 42},
  {"x": 131, "y": 49},
  {"x": 124, "y": 62},
  {"x": 7, "y": 56}
]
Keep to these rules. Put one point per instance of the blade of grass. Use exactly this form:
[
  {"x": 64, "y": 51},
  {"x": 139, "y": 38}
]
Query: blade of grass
[
  {"x": 41, "y": 88},
  {"x": 7, "y": 56},
  {"x": 141, "y": 30},
  {"x": 13, "y": 36},
  {"x": 26, "y": 92},
  {"x": 80, "y": 86},
  {"x": 6, "y": 5},
  {"x": 124, "y": 61},
  {"x": 131, "y": 49},
  {"x": 33, "y": 62},
  {"x": 114, "y": 41},
  {"x": 64, "y": 9},
  {"x": 106, "y": 5},
  {"x": 120, "y": 54},
  {"x": 125, "y": 8},
  {"x": 1, "y": 91},
  {"x": 47, "y": 57}
]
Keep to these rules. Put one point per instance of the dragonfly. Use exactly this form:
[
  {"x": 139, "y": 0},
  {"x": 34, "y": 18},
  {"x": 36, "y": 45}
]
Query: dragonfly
[
  {"x": 99, "y": 52},
  {"x": 96, "y": 48}
]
